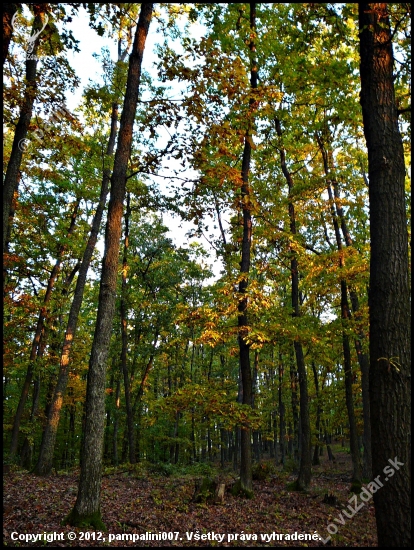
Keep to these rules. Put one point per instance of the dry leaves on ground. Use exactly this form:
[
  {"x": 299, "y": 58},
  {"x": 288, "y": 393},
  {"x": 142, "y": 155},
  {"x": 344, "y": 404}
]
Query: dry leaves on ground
[{"x": 163, "y": 508}]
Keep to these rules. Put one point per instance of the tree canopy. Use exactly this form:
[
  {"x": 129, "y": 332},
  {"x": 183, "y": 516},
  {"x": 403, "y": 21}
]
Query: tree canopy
[{"x": 256, "y": 333}]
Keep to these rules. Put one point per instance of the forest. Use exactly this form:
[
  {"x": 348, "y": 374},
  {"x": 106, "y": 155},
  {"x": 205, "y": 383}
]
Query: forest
[{"x": 206, "y": 299}]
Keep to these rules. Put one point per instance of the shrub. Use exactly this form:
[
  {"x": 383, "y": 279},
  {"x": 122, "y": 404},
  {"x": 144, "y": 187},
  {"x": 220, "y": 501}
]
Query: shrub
[{"x": 262, "y": 471}]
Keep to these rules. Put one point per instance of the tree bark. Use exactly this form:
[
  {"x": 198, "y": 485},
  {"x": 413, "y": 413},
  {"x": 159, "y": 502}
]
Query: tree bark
[
  {"x": 363, "y": 358},
  {"x": 256, "y": 433},
  {"x": 305, "y": 468},
  {"x": 10, "y": 184},
  {"x": 345, "y": 316},
  {"x": 353, "y": 435},
  {"x": 246, "y": 481},
  {"x": 389, "y": 295},
  {"x": 124, "y": 339},
  {"x": 87, "y": 506},
  {"x": 315, "y": 459},
  {"x": 115, "y": 459},
  {"x": 282, "y": 414},
  {"x": 38, "y": 337},
  {"x": 293, "y": 448},
  {"x": 47, "y": 447}
]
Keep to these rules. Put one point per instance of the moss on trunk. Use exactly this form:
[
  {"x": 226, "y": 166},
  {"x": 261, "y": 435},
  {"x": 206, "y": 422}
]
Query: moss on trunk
[
  {"x": 78, "y": 520},
  {"x": 238, "y": 490}
]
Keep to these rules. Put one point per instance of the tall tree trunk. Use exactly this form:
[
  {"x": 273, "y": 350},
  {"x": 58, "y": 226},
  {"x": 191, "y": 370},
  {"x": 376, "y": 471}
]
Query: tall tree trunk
[
  {"x": 256, "y": 433},
  {"x": 28, "y": 443},
  {"x": 137, "y": 406},
  {"x": 315, "y": 460},
  {"x": 294, "y": 382},
  {"x": 363, "y": 358},
  {"x": 246, "y": 483},
  {"x": 282, "y": 413},
  {"x": 71, "y": 447},
  {"x": 367, "y": 437},
  {"x": 38, "y": 336},
  {"x": 87, "y": 506},
  {"x": 345, "y": 316},
  {"x": 45, "y": 459},
  {"x": 124, "y": 339},
  {"x": 328, "y": 438},
  {"x": 305, "y": 468},
  {"x": 389, "y": 295},
  {"x": 353, "y": 435},
  {"x": 115, "y": 458},
  {"x": 11, "y": 179}
]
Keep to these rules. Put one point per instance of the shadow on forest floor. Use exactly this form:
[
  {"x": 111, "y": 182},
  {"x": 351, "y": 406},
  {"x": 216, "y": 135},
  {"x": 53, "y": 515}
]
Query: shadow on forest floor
[{"x": 135, "y": 502}]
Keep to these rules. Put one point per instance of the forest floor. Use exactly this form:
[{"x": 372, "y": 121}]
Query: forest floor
[{"x": 149, "y": 505}]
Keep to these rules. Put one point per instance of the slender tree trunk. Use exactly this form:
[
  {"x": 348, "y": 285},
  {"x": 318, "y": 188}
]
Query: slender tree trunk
[
  {"x": 244, "y": 348},
  {"x": 305, "y": 468},
  {"x": 124, "y": 338},
  {"x": 71, "y": 447},
  {"x": 175, "y": 447},
  {"x": 38, "y": 336},
  {"x": 87, "y": 506},
  {"x": 389, "y": 295},
  {"x": 137, "y": 406},
  {"x": 45, "y": 460},
  {"x": 28, "y": 443},
  {"x": 192, "y": 436},
  {"x": 26, "y": 458},
  {"x": 294, "y": 382},
  {"x": 256, "y": 433},
  {"x": 109, "y": 420},
  {"x": 223, "y": 447},
  {"x": 353, "y": 435},
  {"x": 315, "y": 460},
  {"x": 345, "y": 316},
  {"x": 327, "y": 437},
  {"x": 115, "y": 458},
  {"x": 237, "y": 435},
  {"x": 282, "y": 413},
  {"x": 144, "y": 379},
  {"x": 363, "y": 358},
  {"x": 246, "y": 483},
  {"x": 11, "y": 179}
]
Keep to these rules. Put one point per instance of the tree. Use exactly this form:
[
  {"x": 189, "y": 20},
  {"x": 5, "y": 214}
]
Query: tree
[
  {"x": 45, "y": 459},
  {"x": 87, "y": 506},
  {"x": 345, "y": 315},
  {"x": 304, "y": 477},
  {"x": 246, "y": 484},
  {"x": 11, "y": 179},
  {"x": 124, "y": 337},
  {"x": 38, "y": 346},
  {"x": 389, "y": 297},
  {"x": 232, "y": 141}
]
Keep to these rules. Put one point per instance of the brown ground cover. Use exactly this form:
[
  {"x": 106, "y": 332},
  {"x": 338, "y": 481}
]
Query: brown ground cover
[{"x": 137, "y": 502}]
